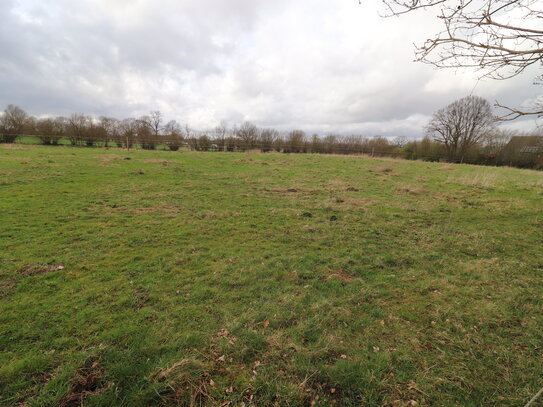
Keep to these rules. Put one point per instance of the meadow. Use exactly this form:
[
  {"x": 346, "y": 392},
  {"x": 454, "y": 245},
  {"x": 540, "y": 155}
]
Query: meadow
[{"x": 158, "y": 278}]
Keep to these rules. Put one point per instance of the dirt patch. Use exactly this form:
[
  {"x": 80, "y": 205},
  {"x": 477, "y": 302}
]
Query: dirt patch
[
  {"x": 88, "y": 381},
  {"x": 33, "y": 269},
  {"x": 414, "y": 190},
  {"x": 352, "y": 189},
  {"x": 341, "y": 275}
]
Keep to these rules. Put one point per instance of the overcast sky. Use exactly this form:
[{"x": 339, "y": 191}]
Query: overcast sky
[{"x": 320, "y": 65}]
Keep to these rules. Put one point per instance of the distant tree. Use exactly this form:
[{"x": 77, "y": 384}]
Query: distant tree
[
  {"x": 77, "y": 125},
  {"x": 203, "y": 143},
  {"x": 353, "y": 144},
  {"x": 315, "y": 146},
  {"x": 153, "y": 122},
  {"x": 248, "y": 135},
  {"x": 221, "y": 133},
  {"x": 493, "y": 144},
  {"x": 267, "y": 139},
  {"x": 295, "y": 142},
  {"x": 12, "y": 123},
  {"x": 147, "y": 139},
  {"x": 461, "y": 125},
  {"x": 173, "y": 135},
  {"x": 128, "y": 129},
  {"x": 399, "y": 141},
  {"x": 48, "y": 131},
  {"x": 329, "y": 143},
  {"x": 109, "y": 129}
]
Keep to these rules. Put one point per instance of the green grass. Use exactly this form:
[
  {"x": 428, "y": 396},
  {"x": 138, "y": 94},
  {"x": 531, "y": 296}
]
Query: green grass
[{"x": 179, "y": 278}]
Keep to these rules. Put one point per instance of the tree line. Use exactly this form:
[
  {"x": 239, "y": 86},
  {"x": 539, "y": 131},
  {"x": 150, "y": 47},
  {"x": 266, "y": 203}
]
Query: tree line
[{"x": 464, "y": 131}]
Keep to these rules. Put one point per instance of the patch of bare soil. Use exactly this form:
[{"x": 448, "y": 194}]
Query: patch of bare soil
[
  {"x": 32, "y": 269},
  {"x": 88, "y": 381},
  {"x": 352, "y": 189},
  {"x": 341, "y": 275},
  {"x": 414, "y": 190}
]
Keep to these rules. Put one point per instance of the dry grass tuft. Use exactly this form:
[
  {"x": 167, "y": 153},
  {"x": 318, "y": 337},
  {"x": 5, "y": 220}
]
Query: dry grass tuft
[
  {"x": 88, "y": 381},
  {"x": 481, "y": 179}
]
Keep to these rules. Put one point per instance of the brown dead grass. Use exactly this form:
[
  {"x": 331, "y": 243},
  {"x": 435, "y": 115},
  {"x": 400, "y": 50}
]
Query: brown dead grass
[
  {"x": 481, "y": 179},
  {"x": 414, "y": 190},
  {"x": 340, "y": 275},
  {"x": 185, "y": 383},
  {"x": 33, "y": 269},
  {"x": 88, "y": 381}
]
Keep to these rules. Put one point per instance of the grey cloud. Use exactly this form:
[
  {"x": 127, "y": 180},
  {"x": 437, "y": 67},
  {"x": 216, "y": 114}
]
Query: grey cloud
[{"x": 321, "y": 67}]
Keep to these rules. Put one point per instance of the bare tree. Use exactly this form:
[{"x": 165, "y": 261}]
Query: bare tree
[
  {"x": 267, "y": 139},
  {"x": 500, "y": 38},
  {"x": 12, "y": 123},
  {"x": 128, "y": 130},
  {"x": 109, "y": 128},
  {"x": 221, "y": 133},
  {"x": 153, "y": 122},
  {"x": 461, "y": 125},
  {"x": 248, "y": 135},
  {"x": 48, "y": 131},
  {"x": 77, "y": 128},
  {"x": 174, "y": 135}
]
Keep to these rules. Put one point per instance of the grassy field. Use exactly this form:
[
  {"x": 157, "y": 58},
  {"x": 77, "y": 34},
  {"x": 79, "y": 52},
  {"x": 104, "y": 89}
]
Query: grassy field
[{"x": 147, "y": 278}]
